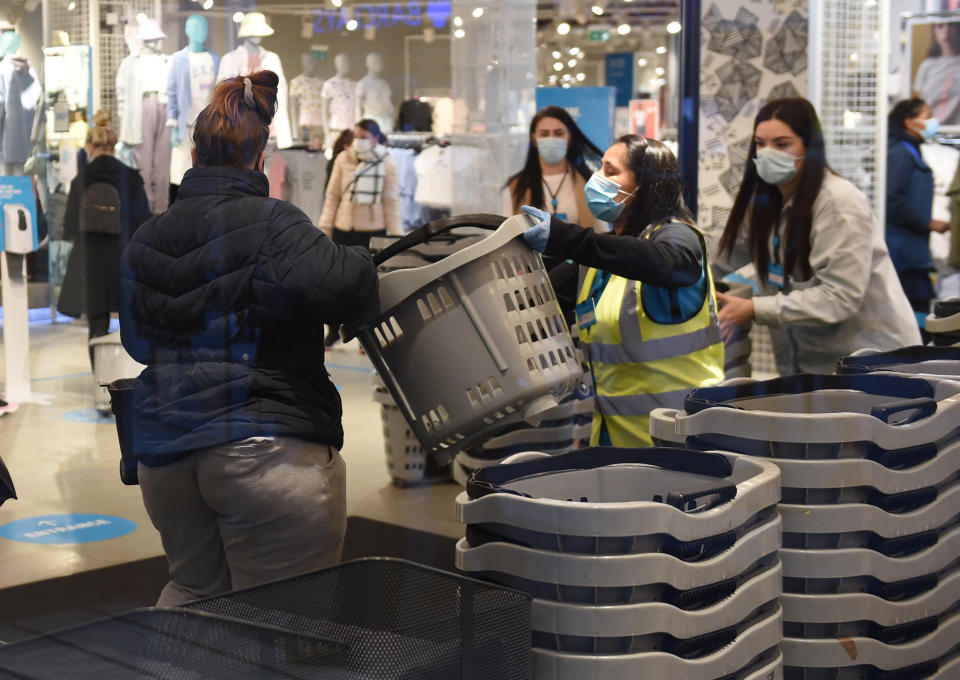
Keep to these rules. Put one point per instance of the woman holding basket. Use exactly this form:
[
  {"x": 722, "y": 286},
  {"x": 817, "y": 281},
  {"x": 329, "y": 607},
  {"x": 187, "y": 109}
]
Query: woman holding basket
[{"x": 643, "y": 295}]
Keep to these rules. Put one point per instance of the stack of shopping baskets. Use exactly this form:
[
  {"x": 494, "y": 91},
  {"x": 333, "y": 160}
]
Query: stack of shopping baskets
[
  {"x": 110, "y": 364},
  {"x": 944, "y": 323},
  {"x": 469, "y": 345},
  {"x": 871, "y": 513},
  {"x": 643, "y": 563}
]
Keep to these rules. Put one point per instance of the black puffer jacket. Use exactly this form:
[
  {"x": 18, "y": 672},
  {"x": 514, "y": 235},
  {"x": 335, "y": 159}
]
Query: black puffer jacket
[{"x": 224, "y": 297}]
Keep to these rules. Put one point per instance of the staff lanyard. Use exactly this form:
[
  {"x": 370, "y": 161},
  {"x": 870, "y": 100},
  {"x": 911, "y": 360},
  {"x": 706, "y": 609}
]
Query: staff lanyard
[{"x": 554, "y": 201}]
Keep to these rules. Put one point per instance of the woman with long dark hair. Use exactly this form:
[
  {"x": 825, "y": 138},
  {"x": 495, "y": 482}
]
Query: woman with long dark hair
[
  {"x": 827, "y": 286},
  {"x": 643, "y": 295},
  {"x": 237, "y": 426},
  {"x": 555, "y": 172}
]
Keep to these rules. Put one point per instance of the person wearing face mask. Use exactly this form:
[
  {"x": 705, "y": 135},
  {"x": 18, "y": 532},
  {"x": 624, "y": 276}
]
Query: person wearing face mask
[
  {"x": 362, "y": 194},
  {"x": 555, "y": 172},
  {"x": 643, "y": 295},
  {"x": 910, "y": 202},
  {"x": 826, "y": 284}
]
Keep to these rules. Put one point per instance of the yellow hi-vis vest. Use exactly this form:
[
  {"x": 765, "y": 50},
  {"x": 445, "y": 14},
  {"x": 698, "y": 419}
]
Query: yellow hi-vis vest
[{"x": 639, "y": 364}]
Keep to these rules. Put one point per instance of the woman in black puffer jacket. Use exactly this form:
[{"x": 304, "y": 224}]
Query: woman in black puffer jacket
[{"x": 237, "y": 425}]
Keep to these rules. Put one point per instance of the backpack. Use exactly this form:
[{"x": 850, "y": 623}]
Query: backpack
[{"x": 100, "y": 210}]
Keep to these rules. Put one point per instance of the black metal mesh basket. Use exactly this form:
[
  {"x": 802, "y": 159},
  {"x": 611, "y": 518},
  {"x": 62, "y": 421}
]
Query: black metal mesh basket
[
  {"x": 173, "y": 645},
  {"x": 398, "y": 619}
]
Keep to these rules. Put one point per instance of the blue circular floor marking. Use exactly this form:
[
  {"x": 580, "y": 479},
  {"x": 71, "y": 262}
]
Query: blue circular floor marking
[
  {"x": 88, "y": 415},
  {"x": 79, "y": 528}
]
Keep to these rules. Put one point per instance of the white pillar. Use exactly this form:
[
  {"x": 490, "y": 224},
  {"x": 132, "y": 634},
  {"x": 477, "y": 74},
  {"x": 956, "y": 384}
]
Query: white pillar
[{"x": 16, "y": 330}]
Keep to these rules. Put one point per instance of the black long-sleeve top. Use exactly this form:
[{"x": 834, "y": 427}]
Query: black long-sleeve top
[{"x": 671, "y": 258}]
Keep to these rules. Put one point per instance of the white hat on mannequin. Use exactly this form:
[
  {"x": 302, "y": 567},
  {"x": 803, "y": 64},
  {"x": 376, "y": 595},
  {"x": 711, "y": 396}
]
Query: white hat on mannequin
[
  {"x": 254, "y": 25},
  {"x": 150, "y": 30}
]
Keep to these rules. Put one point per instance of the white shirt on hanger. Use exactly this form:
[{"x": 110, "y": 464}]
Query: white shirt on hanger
[{"x": 138, "y": 74}]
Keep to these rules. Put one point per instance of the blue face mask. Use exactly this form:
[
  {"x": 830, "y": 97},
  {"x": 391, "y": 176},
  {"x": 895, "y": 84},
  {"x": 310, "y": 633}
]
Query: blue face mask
[
  {"x": 552, "y": 149},
  {"x": 775, "y": 166},
  {"x": 930, "y": 128},
  {"x": 601, "y": 193}
]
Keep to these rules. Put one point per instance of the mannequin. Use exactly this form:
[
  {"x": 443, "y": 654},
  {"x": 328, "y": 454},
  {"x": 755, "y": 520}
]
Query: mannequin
[
  {"x": 305, "y": 90},
  {"x": 374, "y": 96},
  {"x": 193, "y": 73},
  {"x": 250, "y": 57},
  {"x": 338, "y": 102},
  {"x": 20, "y": 93},
  {"x": 142, "y": 102}
]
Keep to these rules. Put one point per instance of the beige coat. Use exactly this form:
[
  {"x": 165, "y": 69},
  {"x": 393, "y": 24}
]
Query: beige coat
[{"x": 339, "y": 212}]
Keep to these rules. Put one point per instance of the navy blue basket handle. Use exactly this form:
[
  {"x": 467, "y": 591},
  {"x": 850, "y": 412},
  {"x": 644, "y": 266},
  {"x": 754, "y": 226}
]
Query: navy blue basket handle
[
  {"x": 921, "y": 407},
  {"x": 687, "y": 500},
  {"x": 431, "y": 229},
  {"x": 488, "y": 480}
]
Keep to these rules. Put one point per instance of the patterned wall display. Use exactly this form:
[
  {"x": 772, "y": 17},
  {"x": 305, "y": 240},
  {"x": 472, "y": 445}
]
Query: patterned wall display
[{"x": 750, "y": 52}]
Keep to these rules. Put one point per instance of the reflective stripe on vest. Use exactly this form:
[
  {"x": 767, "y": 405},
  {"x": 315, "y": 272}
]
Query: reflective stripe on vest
[{"x": 639, "y": 364}]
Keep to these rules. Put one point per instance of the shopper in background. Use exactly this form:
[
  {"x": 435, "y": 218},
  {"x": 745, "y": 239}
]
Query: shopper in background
[
  {"x": 910, "y": 202},
  {"x": 827, "y": 286},
  {"x": 237, "y": 426},
  {"x": 362, "y": 197},
  {"x": 938, "y": 77},
  {"x": 643, "y": 295},
  {"x": 105, "y": 205},
  {"x": 555, "y": 172},
  {"x": 344, "y": 140}
]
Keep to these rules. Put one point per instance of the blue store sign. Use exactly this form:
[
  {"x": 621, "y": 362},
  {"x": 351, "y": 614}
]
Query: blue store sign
[
  {"x": 620, "y": 75},
  {"x": 81, "y": 528},
  {"x": 329, "y": 20}
]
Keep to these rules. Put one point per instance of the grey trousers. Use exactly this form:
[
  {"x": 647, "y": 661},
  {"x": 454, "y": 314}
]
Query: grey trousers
[
  {"x": 153, "y": 154},
  {"x": 240, "y": 514}
]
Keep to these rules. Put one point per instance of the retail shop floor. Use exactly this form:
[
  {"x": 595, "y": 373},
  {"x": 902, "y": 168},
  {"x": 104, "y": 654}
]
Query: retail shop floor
[{"x": 64, "y": 460}]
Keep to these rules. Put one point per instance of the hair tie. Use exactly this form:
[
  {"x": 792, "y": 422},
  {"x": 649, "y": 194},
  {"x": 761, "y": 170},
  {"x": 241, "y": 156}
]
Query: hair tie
[{"x": 248, "y": 93}]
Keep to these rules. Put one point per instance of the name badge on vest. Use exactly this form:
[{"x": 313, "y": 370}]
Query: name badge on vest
[
  {"x": 775, "y": 275},
  {"x": 586, "y": 314}
]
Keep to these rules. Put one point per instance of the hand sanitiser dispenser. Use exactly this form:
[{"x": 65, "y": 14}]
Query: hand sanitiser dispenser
[{"x": 19, "y": 231}]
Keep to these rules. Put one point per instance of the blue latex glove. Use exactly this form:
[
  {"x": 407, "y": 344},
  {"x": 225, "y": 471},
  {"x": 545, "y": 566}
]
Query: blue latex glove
[{"x": 538, "y": 235}]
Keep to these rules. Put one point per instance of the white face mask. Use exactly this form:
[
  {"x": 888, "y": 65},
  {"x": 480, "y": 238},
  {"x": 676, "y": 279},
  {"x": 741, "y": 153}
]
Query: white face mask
[
  {"x": 363, "y": 147},
  {"x": 775, "y": 166}
]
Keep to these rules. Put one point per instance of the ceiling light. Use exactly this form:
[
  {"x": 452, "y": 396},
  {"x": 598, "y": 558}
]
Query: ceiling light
[
  {"x": 72, "y": 6},
  {"x": 581, "y": 77},
  {"x": 673, "y": 27},
  {"x": 572, "y": 63},
  {"x": 573, "y": 51},
  {"x": 458, "y": 21},
  {"x": 597, "y": 9},
  {"x": 556, "y": 54},
  {"x": 337, "y": 3},
  {"x": 566, "y": 85},
  {"x": 563, "y": 28},
  {"x": 459, "y": 33},
  {"x": 557, "y": 66},
  {"x": 660, "y": 71},
  {"x": 623, "y": 29},
  {"x": 552, "y": 79},
  {"x": 207, "y": 4},
  {"x": 478, "y": 12},
  {"x": 237, "y": 17},
  {"x": 854, "y": 57},
  {"x": 141, "y": 18},
  {"x": 662, "y": 49},
  {"x": 641, "y": 62},
  {"x": 352, "y": 25}
]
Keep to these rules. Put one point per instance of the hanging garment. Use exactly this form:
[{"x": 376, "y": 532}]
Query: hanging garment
[
  {"x": 138, "y": 75},
  {"x": 189, "y": 87},
  {"x": 415, "y": 115},
  {"x": 20, "y": 91},
  {"x": 240, "y": 62},
  {"x": 342, "y": 93},
  {"x": 153, "y": 154},
  {"x": 373, "y": 92},
  {"x": 307, "y": 90}
]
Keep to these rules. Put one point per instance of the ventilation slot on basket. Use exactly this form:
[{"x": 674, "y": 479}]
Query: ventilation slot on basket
[
  {"x": 508, "y": 268},
  {"x": 445, "y": 297},
  {"x": 508, "y": 303},
  {"x": 544, "y": 334},
  {"x": 434, "y": 304},
  {"x": 497, "y": 271},
  {"x": 424, "y": 312},
  {"x": 520, "y": 304},
  {"x": 521, "y": 338},
  {"x": 532, "y": 365},
  {"x": 547, "y": 292},
  {"x": 473, "y": 398}
]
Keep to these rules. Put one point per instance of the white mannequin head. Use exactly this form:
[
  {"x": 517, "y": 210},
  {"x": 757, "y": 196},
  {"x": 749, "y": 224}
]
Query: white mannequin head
[
  {"x": 151, "y": 47},
  {"x": 374, "y": 64},
  {"x": 252, "y": 43},
  {"x": 309, "y": 61},
  {"x": 341, "y": 63}
]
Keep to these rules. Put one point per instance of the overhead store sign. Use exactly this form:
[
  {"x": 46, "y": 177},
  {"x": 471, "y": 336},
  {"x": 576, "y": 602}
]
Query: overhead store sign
[
  {"x": 413, "y": 14},
  {"x": 599, "y": 36}
]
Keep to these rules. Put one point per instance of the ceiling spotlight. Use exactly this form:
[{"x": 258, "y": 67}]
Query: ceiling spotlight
[
  {"x": 573, "y": 51},
  {"x": 623, "y": 29},
  {"x": 478, "y": 12},
  {"x": 237, "y": 17},
  {"x": 352, "y": 25},
  {"x": 337, "y": 3},
  {"x": 673, "y": 27},
  {"x": 458, "y": 21},
  {"x": 854, "y": 57},
  {"x": 597, "y": 9},
  {"x": 563, "y": 28},
  {"x": 552, "y": 79},
  {"x": 572, "y": 63},
  {"x": 659, "y": 71},
  {"x": 641, "y": 61},
  {"x": 72, "y": 6},
  {"x": 459, "y": 33},
  {"x": 567, "y": 85},
  {"x": 581, "y": 77},
  {"x": 662, "y": 49},
  {"x": 141, "y": 18},
  {"x": 556, "y": 54},
  {"x": 557, "y": 66},
  {"x": 207, "y": 4}
]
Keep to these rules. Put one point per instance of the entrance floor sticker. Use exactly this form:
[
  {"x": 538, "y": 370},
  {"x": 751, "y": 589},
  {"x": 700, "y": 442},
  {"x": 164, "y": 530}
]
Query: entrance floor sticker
[{"x": 72, "y": 528}]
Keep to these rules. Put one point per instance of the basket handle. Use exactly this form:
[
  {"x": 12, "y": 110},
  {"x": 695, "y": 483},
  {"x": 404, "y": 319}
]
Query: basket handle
[
  {"x": 921, "y": 408},
  {"x": 431, "y": 229}
]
